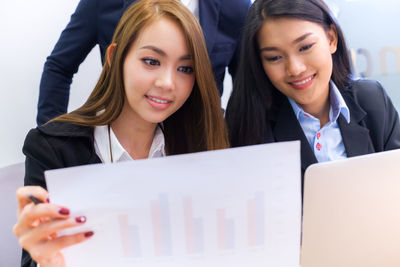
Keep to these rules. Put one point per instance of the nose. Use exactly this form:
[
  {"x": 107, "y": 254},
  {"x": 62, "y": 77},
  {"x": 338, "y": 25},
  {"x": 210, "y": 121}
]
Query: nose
[
  {"x": 295, "y": 66},
  {"x": 166, "y": 79}
]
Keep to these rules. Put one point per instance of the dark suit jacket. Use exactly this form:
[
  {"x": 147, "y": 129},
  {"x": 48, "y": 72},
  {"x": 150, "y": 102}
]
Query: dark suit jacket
[
  {"x": 53, "y": 146},
  {"x": 374, "y": 123},
  {"x": 94, "y": 22}
]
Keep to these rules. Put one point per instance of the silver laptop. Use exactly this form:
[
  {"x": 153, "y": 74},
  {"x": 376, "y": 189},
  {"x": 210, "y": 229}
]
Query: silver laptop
[{"x": 351, "y": 213}]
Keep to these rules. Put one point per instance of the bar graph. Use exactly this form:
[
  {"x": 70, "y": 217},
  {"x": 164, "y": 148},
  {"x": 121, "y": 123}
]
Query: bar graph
[
  {"x": 161, "y": 226},
  {"x": 225, "y": 231},
  {"x": 130, "y": 237},
  {"x": 256, "y": 220},
  {"x": 194, "y": 230}
]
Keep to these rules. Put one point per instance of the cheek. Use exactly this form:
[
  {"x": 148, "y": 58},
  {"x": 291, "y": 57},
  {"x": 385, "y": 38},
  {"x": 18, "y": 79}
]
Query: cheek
[
  {"x": 187, "y": 87},
  {"x": 274, "y": 73}
]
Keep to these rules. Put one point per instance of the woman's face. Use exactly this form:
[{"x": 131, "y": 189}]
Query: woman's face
[
  {"x": 297, "y": 57},
  {"x": 158, "y": 72}
]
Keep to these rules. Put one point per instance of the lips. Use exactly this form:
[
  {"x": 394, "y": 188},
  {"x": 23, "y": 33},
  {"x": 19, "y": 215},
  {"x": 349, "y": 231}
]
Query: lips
[
  {"x": 158, "y": 102},
  {"x": 303, "y": 83}
]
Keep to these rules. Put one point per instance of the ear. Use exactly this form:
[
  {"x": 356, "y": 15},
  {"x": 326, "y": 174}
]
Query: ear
[
  {"x": 332, "y": 38},
  {"x": 110, "y": 53}
]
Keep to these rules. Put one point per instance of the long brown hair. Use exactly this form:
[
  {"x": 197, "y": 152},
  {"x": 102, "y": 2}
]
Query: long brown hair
[{"x": 198, "y": 125}]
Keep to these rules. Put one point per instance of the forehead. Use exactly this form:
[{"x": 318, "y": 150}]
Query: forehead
[
  {"x": 161, "y": 31},
  {"x": 284, "y": 29}
]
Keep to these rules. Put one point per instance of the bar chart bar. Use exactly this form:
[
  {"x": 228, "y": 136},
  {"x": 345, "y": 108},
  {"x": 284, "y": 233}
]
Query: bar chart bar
[
  {"x": 225, "y": 230},
  {"x": 256, "y": 220},
  {"x": 129, "y": 237},
  {"x": 193, "y": 228},
  {"x": 161, "y": 226}
]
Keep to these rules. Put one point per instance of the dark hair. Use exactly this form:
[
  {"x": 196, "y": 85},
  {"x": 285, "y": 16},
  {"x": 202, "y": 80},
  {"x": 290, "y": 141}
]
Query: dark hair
[
  {"x": 253, "y": 94},
  {"x": 198, "y": 125}
]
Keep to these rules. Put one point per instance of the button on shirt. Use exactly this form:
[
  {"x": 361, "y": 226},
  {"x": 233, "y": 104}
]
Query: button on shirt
[
  {"x": 326, "y": 142},
  {"x": 102, "y": 145}
]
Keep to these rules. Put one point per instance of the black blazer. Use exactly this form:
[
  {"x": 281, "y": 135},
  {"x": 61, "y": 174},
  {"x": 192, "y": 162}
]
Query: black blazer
[
  {"x": 374, "y": 123},
  {"x": 94, "y": 21}
]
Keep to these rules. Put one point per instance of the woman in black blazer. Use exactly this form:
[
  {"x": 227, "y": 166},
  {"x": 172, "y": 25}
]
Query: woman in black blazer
[
  {"x": 157, "y": 84},
  {"x": 294, "y": 83}
]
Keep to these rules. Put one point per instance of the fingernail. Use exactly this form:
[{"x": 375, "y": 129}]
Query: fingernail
[
  {"x": 89, "y": 234},
  {"x": 48, "y": 200},
  {"x": 63, "y": 211},
  {"x": 80, "y": 219}
]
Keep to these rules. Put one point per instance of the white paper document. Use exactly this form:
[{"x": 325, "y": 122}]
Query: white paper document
[{"x": 233, "y": 207}]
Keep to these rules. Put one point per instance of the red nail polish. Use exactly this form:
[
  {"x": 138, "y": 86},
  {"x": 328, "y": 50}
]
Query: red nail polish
[
  {"x": 80, "y": 219},
  {"x": 89, "y": 234},
  {"x": 48, "y": 200},
  {"x": 63, "y": 211}
]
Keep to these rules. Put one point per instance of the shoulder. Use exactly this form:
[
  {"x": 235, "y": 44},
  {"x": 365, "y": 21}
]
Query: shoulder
[
  {"x": 59, "y": 144},
  {"x": 369, "y": 94},
  {"x": 65, "y": 129},
  {"x": 57, "y": 134},
  {"x": 365, "y": 87}
]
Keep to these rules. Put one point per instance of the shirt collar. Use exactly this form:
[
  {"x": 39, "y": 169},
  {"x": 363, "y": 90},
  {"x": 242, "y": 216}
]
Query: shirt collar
[
  {"x": 102, "y": 145},
  {"x": 338, "y": 105}
]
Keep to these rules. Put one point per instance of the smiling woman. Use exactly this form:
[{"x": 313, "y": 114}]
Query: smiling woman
[
  {"x": 294, "y": 83},
  {"x": 156, "y": 96}
]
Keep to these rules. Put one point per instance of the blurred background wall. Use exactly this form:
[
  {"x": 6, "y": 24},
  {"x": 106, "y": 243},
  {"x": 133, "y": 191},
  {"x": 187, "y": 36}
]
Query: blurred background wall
[{"x": 29, "y": 30}]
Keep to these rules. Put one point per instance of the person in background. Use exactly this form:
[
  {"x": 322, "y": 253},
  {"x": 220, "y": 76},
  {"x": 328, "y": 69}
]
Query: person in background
[
  {"x": 156, "y": 96},
  {"x": 94, "y": 22},
  {"x": 294, "y": 83}
]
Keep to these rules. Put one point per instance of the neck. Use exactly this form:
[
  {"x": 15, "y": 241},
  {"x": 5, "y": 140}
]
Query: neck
[
  {"x": 134, "y": 134},
  {"x": 319, "y": 111}
]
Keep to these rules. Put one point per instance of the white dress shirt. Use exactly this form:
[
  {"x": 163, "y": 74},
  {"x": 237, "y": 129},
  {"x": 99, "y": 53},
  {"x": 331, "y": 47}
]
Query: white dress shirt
[
  {"x": 192, "y": 5},
  {"x": 102, "y": 145}
]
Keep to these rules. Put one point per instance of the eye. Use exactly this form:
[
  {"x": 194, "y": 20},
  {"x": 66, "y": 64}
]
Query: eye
[
  {"x": 185, "y": 69},
  {"x": 306, "y": 47},
  {"x": 151, "y": 61},
  {"x": 272, "y": 59}
]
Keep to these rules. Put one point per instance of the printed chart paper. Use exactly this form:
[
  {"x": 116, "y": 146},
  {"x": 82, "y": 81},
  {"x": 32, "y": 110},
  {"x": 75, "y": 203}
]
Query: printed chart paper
[{"x": 233, "y": 207}]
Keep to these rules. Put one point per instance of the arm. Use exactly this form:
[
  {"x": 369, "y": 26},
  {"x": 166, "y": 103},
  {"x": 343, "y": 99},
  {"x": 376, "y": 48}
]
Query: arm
[
  {"x": 241, "y": 18},
  {"x": 37, "y": 223},
  {"x": 392, "y": 125},
  {"x": 74, "y": 44}
]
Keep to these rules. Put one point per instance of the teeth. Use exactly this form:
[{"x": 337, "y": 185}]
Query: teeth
[
  {"x": 305, "y": 81},
  {"x": 158, "y": 100}
]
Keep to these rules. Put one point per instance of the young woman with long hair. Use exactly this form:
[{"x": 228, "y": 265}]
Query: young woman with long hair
[
  {"x": 294, "y": 83},
  {"x": 156, "y": 96}
]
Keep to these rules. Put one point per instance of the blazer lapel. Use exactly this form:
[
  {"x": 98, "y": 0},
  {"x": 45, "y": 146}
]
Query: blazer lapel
[
  {"x": 209, "y": 15},
  {"x": 287, "y": 128},
  {"x": 355, "y": 137}
]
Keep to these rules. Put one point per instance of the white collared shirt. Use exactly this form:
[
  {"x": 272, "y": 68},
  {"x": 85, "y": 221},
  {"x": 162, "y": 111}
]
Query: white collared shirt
[
  {"x": 102, "y": 145},
  {"x": 192, "y": 5}
]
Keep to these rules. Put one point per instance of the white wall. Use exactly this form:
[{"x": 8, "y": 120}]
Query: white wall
[{"x": 29, "y": 30}]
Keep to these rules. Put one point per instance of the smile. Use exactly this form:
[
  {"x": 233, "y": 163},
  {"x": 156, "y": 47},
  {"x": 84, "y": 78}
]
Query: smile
[
  {"x": 158, "y": 103},
  {"x": 301, "y": 84},
  {"x": 158, "y": 100}
]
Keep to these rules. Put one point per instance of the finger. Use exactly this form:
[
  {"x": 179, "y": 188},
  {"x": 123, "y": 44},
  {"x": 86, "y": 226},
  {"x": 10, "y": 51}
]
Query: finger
[
  {"x": 68, "y": 240},
  {"x": 50, "y": 251},
  {"x": 25, "y": 191},
  {"x": 33, "y": 215},
  {"x": 48, "y": 231}
]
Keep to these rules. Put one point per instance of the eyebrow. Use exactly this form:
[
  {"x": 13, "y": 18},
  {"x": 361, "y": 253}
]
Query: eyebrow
[
  {"x": 162, "y": 53},
  {"x": 298, "y": 40}
]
